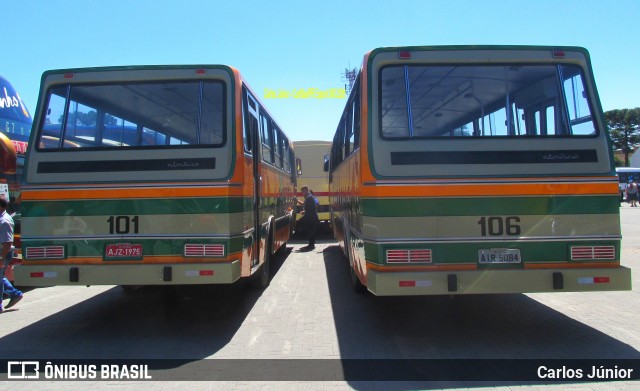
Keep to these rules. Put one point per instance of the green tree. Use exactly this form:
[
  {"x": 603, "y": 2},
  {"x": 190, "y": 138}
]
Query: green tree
[
  {"x": 618, "y": 162},
  {"x": 89, "y": 118},
  {"x": 624, "y": 127},
  {"x": 110, "y": 120}
]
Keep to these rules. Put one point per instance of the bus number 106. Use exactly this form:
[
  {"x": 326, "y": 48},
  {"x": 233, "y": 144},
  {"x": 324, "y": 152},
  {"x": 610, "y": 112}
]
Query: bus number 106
[
  {"x": 123, "y": 225},
  {"x": 499, "y": 226}
]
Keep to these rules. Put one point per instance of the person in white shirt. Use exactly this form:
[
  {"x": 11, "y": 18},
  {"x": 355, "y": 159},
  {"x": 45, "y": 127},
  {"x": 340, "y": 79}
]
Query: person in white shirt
[{"x": 6, "y": 238}]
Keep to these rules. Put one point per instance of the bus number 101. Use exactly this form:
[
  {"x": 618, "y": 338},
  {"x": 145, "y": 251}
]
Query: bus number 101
[
  {"x": 123, "y": 225},
  {"x": 499, "y": 226}
]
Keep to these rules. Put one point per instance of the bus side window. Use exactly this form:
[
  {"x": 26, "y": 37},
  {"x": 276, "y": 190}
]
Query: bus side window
[
  {"x": 266, "y": 131},
  {"x": 277, "y": 147},
  {"x": 348, "y": 132},
  {"x": 247, "y": 133},
  {"x": 283, "y": 149},
  {"x": 286, "y": 158},
  {"x": 338, "y": 143},
  {"x": 356, "y": 122}
]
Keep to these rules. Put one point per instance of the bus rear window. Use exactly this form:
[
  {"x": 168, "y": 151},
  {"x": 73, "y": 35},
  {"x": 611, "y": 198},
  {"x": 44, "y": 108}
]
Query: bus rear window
[
  {"x": 134, "y": 115},
  {"x": 419, "y": 101}
]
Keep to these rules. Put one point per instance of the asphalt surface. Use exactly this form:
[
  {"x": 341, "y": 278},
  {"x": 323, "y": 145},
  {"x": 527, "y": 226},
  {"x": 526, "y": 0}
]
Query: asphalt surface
[{"x": 309, "y": 312}]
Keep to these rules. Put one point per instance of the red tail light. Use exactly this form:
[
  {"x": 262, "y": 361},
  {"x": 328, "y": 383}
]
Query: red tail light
[
  {"x": 44, "y": 252},
  {"x": 586, "y": 253},
  {"x": 409, "y": 256},
  {"x": 204, "y": 250}
]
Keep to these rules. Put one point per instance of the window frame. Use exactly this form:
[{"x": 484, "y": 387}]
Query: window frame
[
  {"x": 346, "y": 140},
  {"x": 561, "y": 116},
  {"x": 141, "y": 125}
]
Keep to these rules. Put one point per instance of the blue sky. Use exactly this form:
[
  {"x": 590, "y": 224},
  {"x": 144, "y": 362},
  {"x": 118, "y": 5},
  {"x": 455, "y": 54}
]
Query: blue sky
[{"x": 295, "y": 44}]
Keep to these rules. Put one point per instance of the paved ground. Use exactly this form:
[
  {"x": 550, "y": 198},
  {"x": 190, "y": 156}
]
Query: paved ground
[{"x": 310, "y": 312}]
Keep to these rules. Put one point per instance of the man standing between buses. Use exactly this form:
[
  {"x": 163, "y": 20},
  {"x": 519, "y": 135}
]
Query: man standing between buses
[{"x": 310, "y": 219}]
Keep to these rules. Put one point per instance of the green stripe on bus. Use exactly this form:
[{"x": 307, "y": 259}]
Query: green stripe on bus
[
  {"x": 477, "y": 206},
  {"x": 465, "y": 253},
  {"x": 137, "y": 206},
  {"x": 159, "y": 247}
]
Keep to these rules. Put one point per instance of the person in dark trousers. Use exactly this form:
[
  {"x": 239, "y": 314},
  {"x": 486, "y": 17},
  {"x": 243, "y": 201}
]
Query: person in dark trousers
[
  {"x": 309, "y": 219},
  {"x": 6, "y": 238}
]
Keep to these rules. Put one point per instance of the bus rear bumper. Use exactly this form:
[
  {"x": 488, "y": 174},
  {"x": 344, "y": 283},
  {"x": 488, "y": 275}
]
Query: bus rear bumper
[
  {"x": 498, "y": 281},
  {"x": 129, "y": 274}
]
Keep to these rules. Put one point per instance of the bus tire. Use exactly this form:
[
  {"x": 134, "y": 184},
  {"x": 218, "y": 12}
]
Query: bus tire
[
  {"x": 292, "y": 224},
  {"x": 261, "y": 279},
  {"x": 357, "y": 286}
]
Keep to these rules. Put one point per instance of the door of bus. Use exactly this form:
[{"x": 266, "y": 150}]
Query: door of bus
[{"x": 252, "y": 131}]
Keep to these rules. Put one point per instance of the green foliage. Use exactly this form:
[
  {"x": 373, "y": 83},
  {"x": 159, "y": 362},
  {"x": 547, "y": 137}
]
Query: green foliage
[
  {"x": 618, "y": 162},
  {"x": 88, "y": 119},
  {"x": 624, "y": 128},
  {"x": 81, "y": 118}
]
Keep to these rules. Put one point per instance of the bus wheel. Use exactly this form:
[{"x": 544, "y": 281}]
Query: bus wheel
[
  {"x": 260, "y": 280},
  {"x": 292, "y": 224},
  {"x": 355, "y": 281}
]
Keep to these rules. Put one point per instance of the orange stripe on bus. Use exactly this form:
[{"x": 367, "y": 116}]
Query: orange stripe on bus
[
  {"x": 413, "y": 268},
  {"x": 488, "y": 189},
  {"x": 465, "y": 267},
  {"x": 148, "y": 260},
  {"x": 567, "y": 265},
  {"x": 168, "y": 192}
]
